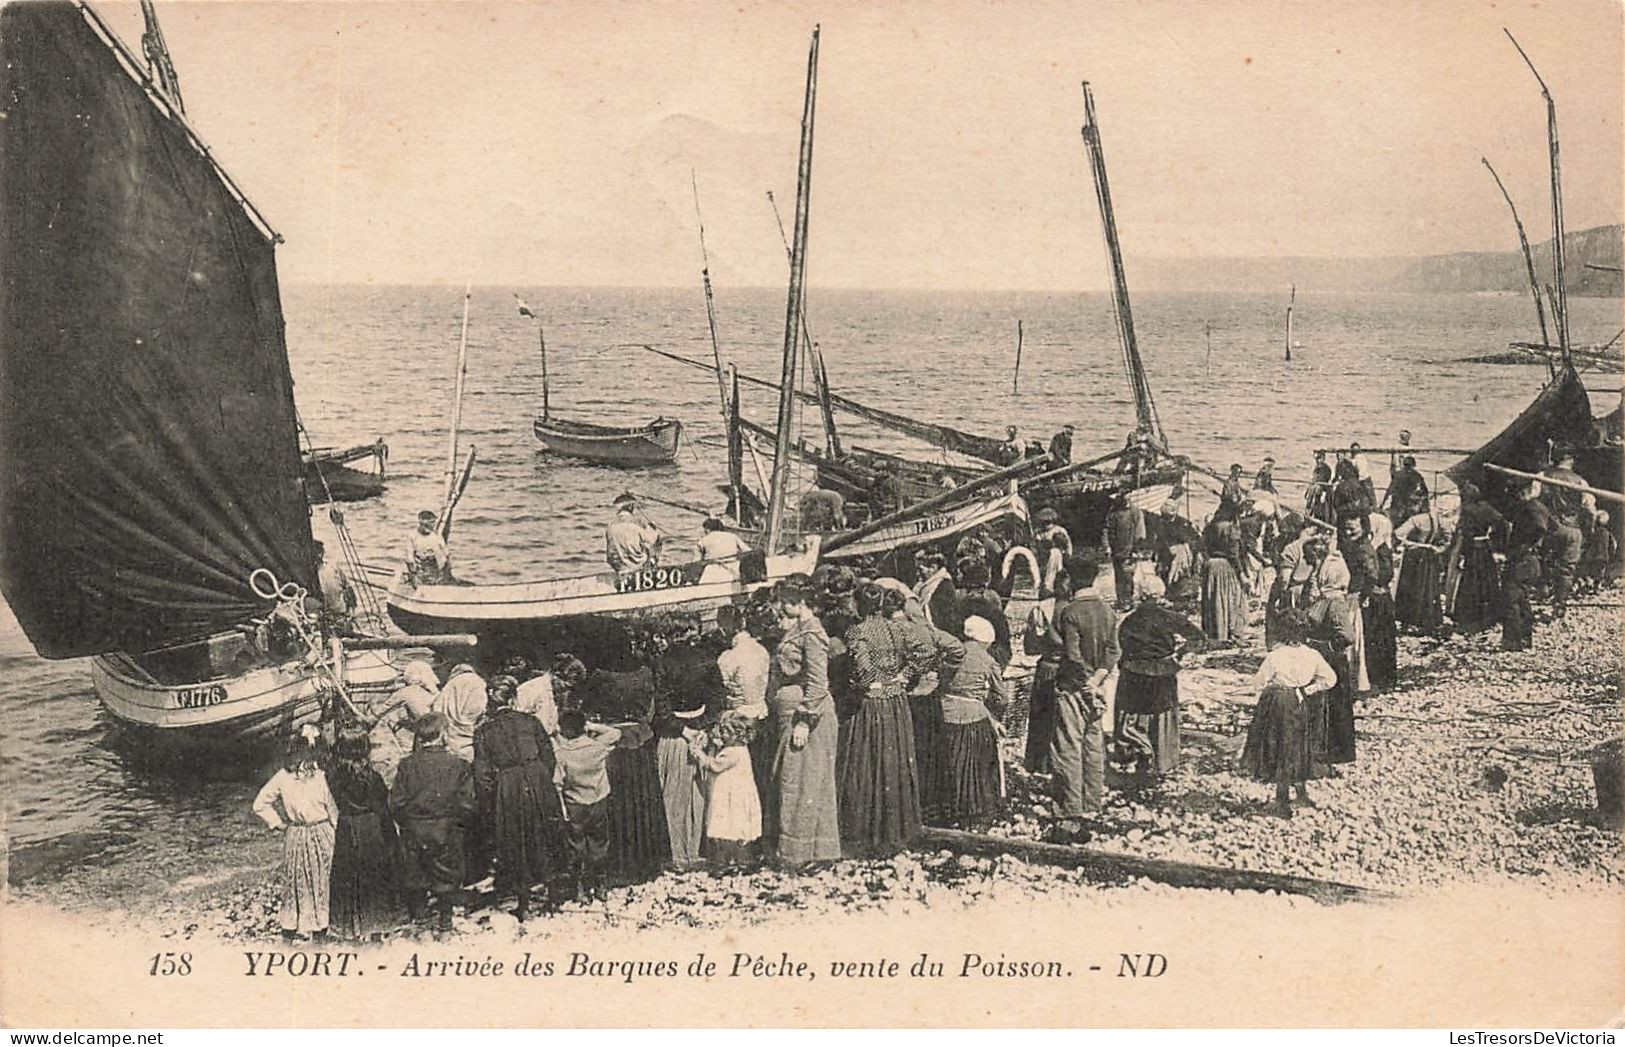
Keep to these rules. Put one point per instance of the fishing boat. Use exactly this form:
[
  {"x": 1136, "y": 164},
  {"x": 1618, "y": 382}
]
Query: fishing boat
[
  {"x": 630, "y": 446},
  {"x": 581, "y": 606},
  {"x": 655, "y": 443},
  {"x": 349, "y": 474},
  {"x": 153, "y": 511}
]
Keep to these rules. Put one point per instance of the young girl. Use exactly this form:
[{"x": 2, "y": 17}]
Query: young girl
[
  {"x": 733, "y": 816},
  {"x": 296, "y": 801},
  {"x": 1292, "y": 681}
]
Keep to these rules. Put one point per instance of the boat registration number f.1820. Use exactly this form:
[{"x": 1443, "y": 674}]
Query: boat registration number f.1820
[
  {"x": 200, "y": 697},
  {"x": 651, "y": 579}
]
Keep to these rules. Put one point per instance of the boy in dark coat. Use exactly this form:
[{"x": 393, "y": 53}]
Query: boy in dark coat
[{"x": 432, "y": 802}]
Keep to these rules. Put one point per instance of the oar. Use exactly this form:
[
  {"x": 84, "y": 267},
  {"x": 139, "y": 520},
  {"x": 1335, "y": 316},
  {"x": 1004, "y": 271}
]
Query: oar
[{"x": 685, "y": 506}]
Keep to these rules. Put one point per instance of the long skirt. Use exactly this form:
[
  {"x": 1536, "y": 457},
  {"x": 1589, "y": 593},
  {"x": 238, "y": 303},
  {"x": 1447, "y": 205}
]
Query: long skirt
[
  {"x": 1040, "y": 719},
  {"x": 1518, "y": 618},
  {"x": 1478, "y": 593},
  {"x": 925, "y": 710},
  {"x": 362, "y": 883},
  {"x": 807, "y": 815},
  {"x": 638, "y": 842},
  {"x": 526, "y": 826},
  {"x": 307, "y": 876},
  {"x": 1331, "y": 728},
  {"x": 879, "y": 779},
  {"x": 764, "y": 748},
  {"x": 1149, "y": 740},
  {"x": 1381, "y": 643},
  {"x": 975, "y": 779},
  {"x": 1417, "y": 602},
  {"x": 1279, "y": 746},
  {"x": 1224, "y": 608},
  {"x": 684, "y": 798}
]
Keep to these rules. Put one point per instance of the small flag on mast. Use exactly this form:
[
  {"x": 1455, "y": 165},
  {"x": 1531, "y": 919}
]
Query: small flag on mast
[{"x": 524, "y": 310}]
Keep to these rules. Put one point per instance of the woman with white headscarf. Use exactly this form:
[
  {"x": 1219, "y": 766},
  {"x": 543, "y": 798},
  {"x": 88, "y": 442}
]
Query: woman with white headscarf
[
  {"x": 973, "y": 695},
  {"x": 1146, "y": 720}
]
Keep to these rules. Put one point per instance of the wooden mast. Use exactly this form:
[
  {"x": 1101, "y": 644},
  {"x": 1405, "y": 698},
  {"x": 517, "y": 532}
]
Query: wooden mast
[
  {"x": 792, "y": 311},
  {"x": 1561, "y": 305},
  {"x": 710, "y": 302},
  {"x": 826, "y": 406},
  {"x": 1144, "y": 409},
  {"x": 1528, "y": 255},
  {"x": 1015, "y": 378},
  {"x": 157, "y": 52},
  {"x": 457, "y": 400}
]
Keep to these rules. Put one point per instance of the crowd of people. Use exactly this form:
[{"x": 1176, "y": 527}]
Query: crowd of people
[{"x": 835, "y": 715}]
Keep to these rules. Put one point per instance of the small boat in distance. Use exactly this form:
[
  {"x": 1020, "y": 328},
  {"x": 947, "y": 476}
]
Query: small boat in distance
[
  {"x": 654, "y": 443},
  {"x": 345, "y": 474}
]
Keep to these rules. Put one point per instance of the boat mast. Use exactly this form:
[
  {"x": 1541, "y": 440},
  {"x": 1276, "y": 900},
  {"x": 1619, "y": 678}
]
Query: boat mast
[
  {"x": 1290, "y": 302},
  {"x": 710, "y": 302},
  {"x": 832, "y": 442},
  {"x": 457, "y": 401},
  {"x": 826, "y": 406},
  {"x": 157, "y": 52},
  {"x": 792, "y": 309},
  {"x": 1561, "y": 307},
  {"x": 1144, "y": 409},
  {"x": 1528, "y": 255}
]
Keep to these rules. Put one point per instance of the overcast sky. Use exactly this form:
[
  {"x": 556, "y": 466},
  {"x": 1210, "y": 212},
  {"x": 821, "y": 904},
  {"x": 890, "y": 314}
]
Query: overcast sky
[{"x": 538, "y": 144}]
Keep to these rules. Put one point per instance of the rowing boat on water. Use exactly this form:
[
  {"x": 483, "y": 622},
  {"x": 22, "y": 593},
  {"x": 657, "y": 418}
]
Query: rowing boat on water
[
  {"x": 655, "y": 443},
  {"x": 349, "y": 474}
]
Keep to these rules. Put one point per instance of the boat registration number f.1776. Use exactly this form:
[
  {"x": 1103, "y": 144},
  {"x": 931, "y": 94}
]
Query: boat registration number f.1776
[
  {"x": 200, "y": 697},
  {"x": 650, "y": 579}
]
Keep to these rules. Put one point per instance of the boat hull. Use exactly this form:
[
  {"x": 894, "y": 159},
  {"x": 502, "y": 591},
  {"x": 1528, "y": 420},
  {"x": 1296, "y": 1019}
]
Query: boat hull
[
  {"x": 652, "y": 444},
  {"x": 351, "y": 475},
  {"x": 248, "y": 708},
  {"x": 500, "y": 612}
]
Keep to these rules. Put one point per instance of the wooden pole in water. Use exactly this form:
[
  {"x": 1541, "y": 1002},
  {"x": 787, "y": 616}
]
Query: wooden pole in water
[
  {"x": 1528, "y": 255},
  {"x": 457, "y": 398},
  {"x": 792, "y": 320},
  {"x": 1291, "y": 301},
  {"x": 1015, "y": 381}
]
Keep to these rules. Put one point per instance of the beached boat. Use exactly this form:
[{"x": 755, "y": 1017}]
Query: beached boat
[
  {"x": 653, "y": 444},
  {"x": 152, "y": 452},
  {"x": 349, "y": 474}
]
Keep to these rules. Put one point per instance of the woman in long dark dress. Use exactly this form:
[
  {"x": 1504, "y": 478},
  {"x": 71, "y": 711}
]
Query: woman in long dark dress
[
  {"x": 1348, "y": 496},
  {"x": 1480, "y": 532},
  {"x": 1417, "y": 600},
  {"x": 807, "y": 734},
  {"x": 1224, "y": 606},
  {"x": 879, "y": 777},
  {"x": 1332, "y": 620},
  {"x": 513, "y": 777},
  {"x": 687, "y": 682},
  {"x": 1146, "y": 719},
  {"x": 1042, "y": 639},
  {"x": 619, "y": 691},
  {"x": 929, "y": 650},
  {"x": 973, "y": 694},
  {"x": 363, "y": 886},
  {"x": 1377, "y": 619}
]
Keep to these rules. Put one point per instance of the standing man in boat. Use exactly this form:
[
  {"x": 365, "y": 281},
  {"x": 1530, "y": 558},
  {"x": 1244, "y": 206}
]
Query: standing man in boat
[
  {"x": 719, "y": 543},
  {"x": 338, "y": 596},
  {"x": 1572, "y": 513},
  {"x": 1265, "y": 480},
  {"x": 1060, "y": 446},
  {"x": 631, "y": 541},
  {"x": 1013, "y": 450},
  {"x": 428, "y": 558}
]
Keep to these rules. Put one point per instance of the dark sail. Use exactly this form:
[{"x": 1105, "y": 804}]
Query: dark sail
[
  {"x": 151, "y": 460},
  {"x": 1559, "y": 416}
]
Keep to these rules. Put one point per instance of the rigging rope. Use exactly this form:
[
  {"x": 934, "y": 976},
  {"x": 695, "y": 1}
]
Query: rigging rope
[
  {"x": 290, "y": 606},
  {"x": 366, "y": 597}
]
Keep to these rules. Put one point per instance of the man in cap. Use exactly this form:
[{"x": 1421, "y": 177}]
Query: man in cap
[
  {"x": 1573, "y": 513},
  {"x": 1407, "y": 492},
  {"x": 631, "y": 541},
  {"x": 1060, "y": 446},
  {"x": 428, "y": 559},
  {"x": 1087, "y": 630},
  {"x": 1232, "y": 494},
  {"x": 1053, "y": 545},
  {"x": 1013, "y": 449},
  {"x": 1125, "y": 530},
  {"x": 432, "y": 801},
  {"x": 1317, "y": 500},
  {"x": 1265, "y": 480}
]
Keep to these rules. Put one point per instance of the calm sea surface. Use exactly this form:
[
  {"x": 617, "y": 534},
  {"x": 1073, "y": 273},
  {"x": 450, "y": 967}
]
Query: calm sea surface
[{"x": 377, "y": 361}]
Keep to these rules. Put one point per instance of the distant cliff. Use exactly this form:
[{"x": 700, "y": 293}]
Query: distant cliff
[{"x": 1462, "y": 273}]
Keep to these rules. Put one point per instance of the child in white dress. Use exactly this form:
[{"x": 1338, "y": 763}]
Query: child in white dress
[{"x": 733, "y": 810}]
